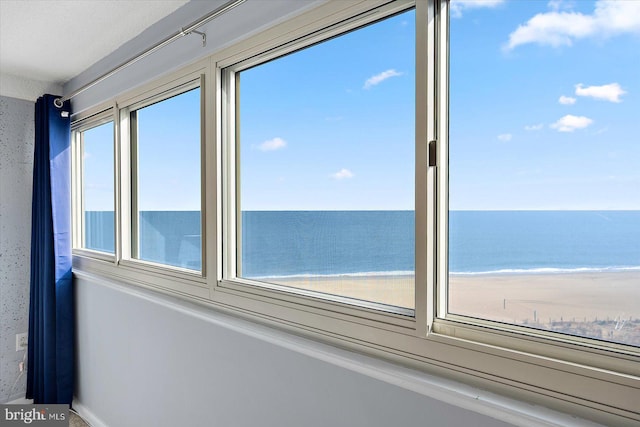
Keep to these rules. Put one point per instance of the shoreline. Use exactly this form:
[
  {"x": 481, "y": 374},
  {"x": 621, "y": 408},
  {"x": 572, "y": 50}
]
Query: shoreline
[
  {"x": 496, "y": 273},
  {"x": 554, "y": 272},
  {"x": 541, "y": 300}
]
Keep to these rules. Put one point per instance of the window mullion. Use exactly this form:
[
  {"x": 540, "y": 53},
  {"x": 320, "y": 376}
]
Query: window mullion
[
  {"x": 442, "y": 128},
  {"x": 229, "y": 175},
  {"x": 425, "y": 31},
  {"x": 126, "y": 196},
  {"x": 81, "y": 212},
  {"x": 134, "y": 218},
  {"x": 77, "y": 188},
  {"x": 117, "y": 194}
]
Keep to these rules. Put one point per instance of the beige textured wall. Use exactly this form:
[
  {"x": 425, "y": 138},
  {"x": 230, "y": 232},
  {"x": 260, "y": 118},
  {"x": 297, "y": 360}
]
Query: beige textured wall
[{"x": 16, "y": 176}]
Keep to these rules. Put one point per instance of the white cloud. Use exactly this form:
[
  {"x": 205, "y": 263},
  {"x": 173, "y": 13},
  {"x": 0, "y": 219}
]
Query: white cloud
[
  {"x": 554, "y": 4},
  {"x": 562, "y": 28},
  {"x": 566, "y": 100},
  {"x": 539, "y": 126},
  {"x": 273, "y": 144},
  {"x": 611, "y": 92},
  {"x": 552, "y": 28},
  {"x": 342, "y": 174},
  {"x": 379, "y": 78},
  {"x": 569, "y": 123},
  {"x": 505, "y": 137},
  {"x": 457, "y": 6},
  {"x": 560, "y": 4}
]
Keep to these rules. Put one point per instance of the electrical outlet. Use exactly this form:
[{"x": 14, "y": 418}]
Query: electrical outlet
[{"x": 21, "y": 341}]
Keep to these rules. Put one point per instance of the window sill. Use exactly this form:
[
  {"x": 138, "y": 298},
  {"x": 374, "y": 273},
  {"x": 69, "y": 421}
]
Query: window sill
[
  {"x": 619, "y": 359},
  {"x": 456, "y": 381},
  {"x": 595, "y": 384}
]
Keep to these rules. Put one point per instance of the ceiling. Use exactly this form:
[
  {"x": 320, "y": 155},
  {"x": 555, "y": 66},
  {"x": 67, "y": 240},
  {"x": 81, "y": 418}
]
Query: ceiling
[{"x": 54, "y": 40}]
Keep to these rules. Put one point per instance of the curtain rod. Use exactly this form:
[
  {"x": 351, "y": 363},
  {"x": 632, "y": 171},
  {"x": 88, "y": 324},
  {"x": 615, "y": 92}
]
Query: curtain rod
[{"x": 191, "y": 28}]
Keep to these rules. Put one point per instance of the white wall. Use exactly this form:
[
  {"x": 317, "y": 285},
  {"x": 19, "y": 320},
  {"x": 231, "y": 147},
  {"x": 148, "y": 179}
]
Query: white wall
[
  {"x": 146, "y": 359},
  {"x": 16, "y": 176}
]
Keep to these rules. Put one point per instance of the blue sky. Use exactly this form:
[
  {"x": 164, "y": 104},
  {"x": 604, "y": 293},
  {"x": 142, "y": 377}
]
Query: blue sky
[
  {"x": 545, "y": 106},
  {"x": 98, "y": 168},
  {"x": 343, "y": 115},
  {"x": 544, "y": 114},
  {"x": 169, "y": 157},
  {"x": 169, "y": 154}
]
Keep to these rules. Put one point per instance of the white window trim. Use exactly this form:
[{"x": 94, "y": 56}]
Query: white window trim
[
  {"x": 486, "y": 331},
  {"x": 601, "y": 383},
  {"x": 194, "y": 77},
  {"x": 557, "y": 359},
  {"x": 81, "y": 123},
  {"x": 228, "y": 63}
]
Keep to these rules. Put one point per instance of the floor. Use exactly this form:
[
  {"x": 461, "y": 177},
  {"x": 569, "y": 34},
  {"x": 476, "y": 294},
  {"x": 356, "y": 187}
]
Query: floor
[{"x": 76, "y": 421}]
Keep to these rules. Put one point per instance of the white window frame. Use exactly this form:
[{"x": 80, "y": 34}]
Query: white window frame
[
  {"x": 473, "y": 328},
  {"x": 580, "y": 376},
  {"x": 128, "y": 145},
  {"x": 406, "y": 318},
  {"x": 541, "y": 365},
  {"x": 166, "y": 278},
  {"x": 89, "y": 120}
]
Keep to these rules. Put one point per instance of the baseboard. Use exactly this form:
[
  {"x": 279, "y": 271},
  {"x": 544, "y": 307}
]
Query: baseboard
[
  {"x": 86, "y": 414},
  {"x": 20, "y": 401}
]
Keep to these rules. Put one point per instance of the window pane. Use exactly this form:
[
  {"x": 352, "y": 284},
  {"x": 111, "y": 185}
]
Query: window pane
[
  {"x": 97, "y": 188},
  {"x": 168, "y": 182},
  {"x": 544, "y": 190},
  {"x": 327, "y": 166}
]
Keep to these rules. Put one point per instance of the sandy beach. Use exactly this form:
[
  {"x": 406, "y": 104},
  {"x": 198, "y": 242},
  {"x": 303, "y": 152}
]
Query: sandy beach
[
  {"x": 391, "y": 290},
  {"x": 557, "y": 301},
  {"x": 518, "y": 298}
]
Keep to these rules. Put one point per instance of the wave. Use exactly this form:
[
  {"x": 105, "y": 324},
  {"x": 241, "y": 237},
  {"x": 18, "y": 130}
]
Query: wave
[
  {"x": 335, "y": 275},
  {"x": 549, "y": 270},
  {"x": 524, "y": 271}
]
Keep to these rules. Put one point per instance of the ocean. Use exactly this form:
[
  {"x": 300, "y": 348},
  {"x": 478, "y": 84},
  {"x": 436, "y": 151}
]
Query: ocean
[
  {"x": 334, "y": 243},
  {"x": 543, "y": 241}
]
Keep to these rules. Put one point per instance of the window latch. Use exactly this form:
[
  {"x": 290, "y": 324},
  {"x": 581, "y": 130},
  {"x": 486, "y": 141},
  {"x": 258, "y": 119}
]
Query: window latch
[{"x": 432, "y": 153}]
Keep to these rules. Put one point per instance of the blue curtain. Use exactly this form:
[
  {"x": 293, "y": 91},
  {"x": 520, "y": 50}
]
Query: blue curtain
[{"x": 51, "y": 323}]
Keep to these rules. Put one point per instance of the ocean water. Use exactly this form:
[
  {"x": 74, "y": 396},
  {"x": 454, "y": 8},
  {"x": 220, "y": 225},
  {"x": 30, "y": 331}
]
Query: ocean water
[
  {"x": 99, "y": 231},
  {"x": 166, "y": 237},
  {"x": 543, "y": 241},
  {"x": 311, "y": 243}
]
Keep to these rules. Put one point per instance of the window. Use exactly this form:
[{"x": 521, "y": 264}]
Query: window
[
  {"x": 432, "y": 182},
  {"x": 544, "y": 190},
  {"x": 325, "y": 170},
  {"x": 95, "y": 147},
  {"x": 166, "y": 190}
]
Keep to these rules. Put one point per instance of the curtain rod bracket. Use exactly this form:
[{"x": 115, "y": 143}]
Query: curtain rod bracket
[
  {"x": 183, "y": 32},
  {"x": 203, "y": 35}
]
